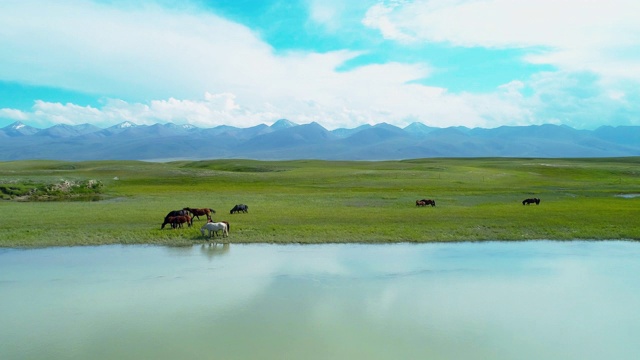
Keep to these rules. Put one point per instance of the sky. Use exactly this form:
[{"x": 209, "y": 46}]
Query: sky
[{"x": 342, "y": 64}]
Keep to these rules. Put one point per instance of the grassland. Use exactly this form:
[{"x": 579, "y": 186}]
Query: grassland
[{"x": 330, "y": 201}]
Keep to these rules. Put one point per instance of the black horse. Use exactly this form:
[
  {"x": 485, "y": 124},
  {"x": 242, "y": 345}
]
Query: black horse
[
  {"x": 172, "y": 214},
  {"x": 531, "y": 201},
  {"x": 177, "y": 213},
  {"x": 425, "y": 202},
  {"x": 239, "y": 208}
]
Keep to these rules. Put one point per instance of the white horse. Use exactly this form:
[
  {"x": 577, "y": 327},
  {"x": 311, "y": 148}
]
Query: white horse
[{"x": 214, "y": 227}]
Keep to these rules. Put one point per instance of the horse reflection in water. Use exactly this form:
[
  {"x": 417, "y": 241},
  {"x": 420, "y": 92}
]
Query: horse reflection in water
[{"x": 213, "y": 249}]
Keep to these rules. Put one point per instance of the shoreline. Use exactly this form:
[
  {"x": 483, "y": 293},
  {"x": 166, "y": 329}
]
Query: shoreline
[{"x": 300, "y": 243}]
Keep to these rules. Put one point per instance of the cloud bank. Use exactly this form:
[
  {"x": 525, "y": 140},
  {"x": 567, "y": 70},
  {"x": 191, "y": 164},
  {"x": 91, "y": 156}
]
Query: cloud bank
[{"x": 157, "y": 63}]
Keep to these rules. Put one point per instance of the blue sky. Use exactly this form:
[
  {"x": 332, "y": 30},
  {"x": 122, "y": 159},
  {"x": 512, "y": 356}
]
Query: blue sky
[{"x": 475, "y": 63}]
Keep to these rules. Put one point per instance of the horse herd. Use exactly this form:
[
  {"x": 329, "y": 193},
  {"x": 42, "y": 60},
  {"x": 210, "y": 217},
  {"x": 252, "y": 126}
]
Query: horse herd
[
  {"x": 426, "y": 202},
  {"x": 176, "y": 218}
]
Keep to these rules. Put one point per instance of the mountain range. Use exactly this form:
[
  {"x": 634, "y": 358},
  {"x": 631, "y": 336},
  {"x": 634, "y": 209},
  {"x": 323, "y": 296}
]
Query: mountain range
[{"x": 285, "y": 140}]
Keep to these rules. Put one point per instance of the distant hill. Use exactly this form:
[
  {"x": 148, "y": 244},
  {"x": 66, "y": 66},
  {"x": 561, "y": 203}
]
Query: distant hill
[
  {"x": 67, "y": 131},
  {"x": 287, "y": 140},
  {"x": 18, "y": 129}
]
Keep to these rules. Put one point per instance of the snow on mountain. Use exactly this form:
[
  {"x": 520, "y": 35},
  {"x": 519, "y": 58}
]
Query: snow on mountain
[
  {"x": 287, "y": 140},
  {"x": 18, "y": 128},
  {"x": 283, "y": 124}
]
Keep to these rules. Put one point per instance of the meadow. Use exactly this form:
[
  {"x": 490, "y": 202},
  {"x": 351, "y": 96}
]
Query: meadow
[{"x": 313, "y": 201}]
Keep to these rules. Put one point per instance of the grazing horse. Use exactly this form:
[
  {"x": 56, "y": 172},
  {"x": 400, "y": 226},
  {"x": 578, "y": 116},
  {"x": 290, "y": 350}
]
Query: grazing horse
[
  {"x": 531, "y": 201},
  {"x": 425, "y": 202},
  {"x": 200, "y": 212},
  {"x": 222, "y": 221},
  {"x": 214, "y": 227},
  {"x": 177, "y": 213},
  {"x": 174, "y": 213},
  {"x": 177, "y": 221},
  {"x": 239, "y": 208}
]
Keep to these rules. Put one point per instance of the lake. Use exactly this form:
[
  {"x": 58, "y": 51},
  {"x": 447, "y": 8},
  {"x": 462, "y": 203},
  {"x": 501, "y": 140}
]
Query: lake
[{"x": 486, "y": 300}]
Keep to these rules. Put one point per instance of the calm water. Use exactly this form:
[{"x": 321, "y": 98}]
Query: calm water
[{"x": 525, "y": 300}]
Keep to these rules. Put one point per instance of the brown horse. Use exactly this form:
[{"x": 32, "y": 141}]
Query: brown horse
[
  {"x": 177, "y": 221},
  {"x": 425, "y": 202},
  {"x": 174, "y": 213},
  {"x": 200, "y": 212}
]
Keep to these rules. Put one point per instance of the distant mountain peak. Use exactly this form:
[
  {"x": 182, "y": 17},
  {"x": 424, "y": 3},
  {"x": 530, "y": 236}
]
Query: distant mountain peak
[
  {"x": 126, "y": 124},
  {"x": 418, "y": 125},
  {"x": 18, "y": 128},
  {"x": 181, "y": 126},
  {"x": 175, "y": 127},
  {"x": 17, "y": 125},
  {"x": 384, "y": 125},
  {"x": 418, "y": 129},
  {"x": 283, "y": 124}
]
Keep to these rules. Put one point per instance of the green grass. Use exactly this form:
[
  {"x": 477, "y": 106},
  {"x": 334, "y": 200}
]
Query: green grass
[{"x": 309, "y": 201}]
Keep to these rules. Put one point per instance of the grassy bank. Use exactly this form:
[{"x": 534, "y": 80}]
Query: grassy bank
[{"x": 321, "y": 201}]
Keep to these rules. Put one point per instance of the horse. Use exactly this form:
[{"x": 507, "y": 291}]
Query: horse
[
  {"x": 429, "y": 202},
  {"x": 222, "y": 221},
  {"x": 239, "y": 208},
  {"x": 177, "y": 213},
  {"x": 174, "y": 213},
  {"x": 200, "y": 212},
  {"x": 425, "y": 202},
  {"x": 177, "y": 221},
  {"x": 531, "y": 201},
  {"x": 214, "y": 227}
]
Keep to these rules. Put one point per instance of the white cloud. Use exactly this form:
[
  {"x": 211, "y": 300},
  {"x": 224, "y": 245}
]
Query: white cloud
[
  {"x": 327, "y": 13},
  {"x": 57, "y": 113},
  {"x": 192, "y": 66},
  {"x": 579, "y": 100},
  {"x": 579, "y": 38},
  {"x": 574, "y": 35},
  {"x": 378, "y": 16},
  {"x": 13, "y": 114},
  {"x": 399, "y": 106},
  {"x": 212, "y": 110},
  {"x": 94, "y": 47},
  {"x": 148, "y": 52}
]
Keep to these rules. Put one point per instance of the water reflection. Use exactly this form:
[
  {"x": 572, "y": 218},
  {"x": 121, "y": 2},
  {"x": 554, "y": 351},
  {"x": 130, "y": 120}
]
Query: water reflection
[
  {"x": 179, "y": 250},
  {"x": 209, "y": 249},
  {"x": 530, "y": 300},
  {"x": 212, "y": 249}
]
